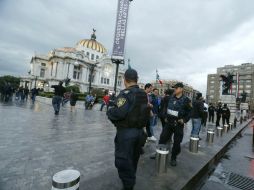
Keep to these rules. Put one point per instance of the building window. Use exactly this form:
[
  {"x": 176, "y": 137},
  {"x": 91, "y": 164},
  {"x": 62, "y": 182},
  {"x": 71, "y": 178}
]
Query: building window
[
  {"x": 212, "y": 77},
  {"x": 87, "y": 54},
  {"x": 42, "y": 73},
  {"x": 211, "y": 96},
  {"x": 211, "y": 86},
  {"x": 43, "y": 64},
  {"x": 107, "y": 81},
  {"x": 92, "y": 56},
  {"x": 212, "y": 82},
  {"x": 77, "y": 72},
  {"x": 248, "y": 86},
  {"x": 97, "y": 57},
  {"x": 211, "y": 91},
  {"x": 101, "y": 80},
  {"x": 247, "y": 91}
]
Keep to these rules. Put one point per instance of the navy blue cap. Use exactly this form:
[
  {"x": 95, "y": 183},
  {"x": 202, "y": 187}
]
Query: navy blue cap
[
  {"x": 178, "y": 85},
  {"x": 131, "y": 74}
]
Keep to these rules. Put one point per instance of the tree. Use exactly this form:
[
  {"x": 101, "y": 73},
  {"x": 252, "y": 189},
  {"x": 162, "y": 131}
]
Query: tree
[{"x": 13, "y": 81}]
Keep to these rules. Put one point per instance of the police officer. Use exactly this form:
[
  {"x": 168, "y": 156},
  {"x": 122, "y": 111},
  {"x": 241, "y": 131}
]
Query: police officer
[
  {"x": 178, "y": 113},
  {"x": 129, "y": 115},
  {"x": 225, "y": 114}
]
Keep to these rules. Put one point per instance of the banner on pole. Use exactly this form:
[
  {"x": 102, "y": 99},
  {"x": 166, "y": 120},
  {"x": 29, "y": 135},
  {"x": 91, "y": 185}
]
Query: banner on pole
[{"x": 120, "y": 30}]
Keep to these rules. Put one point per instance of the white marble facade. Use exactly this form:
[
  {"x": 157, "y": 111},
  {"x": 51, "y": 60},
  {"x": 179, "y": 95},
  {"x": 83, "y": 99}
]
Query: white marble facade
[{"x": 74, "y": 63}]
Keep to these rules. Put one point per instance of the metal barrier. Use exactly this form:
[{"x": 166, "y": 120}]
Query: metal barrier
[
  {"x": 226, "y": 128},
  {"x": 210, "y": 136},
  {"x": 219, "y": 131},
  {"x": 66, "y": 179},
  {"x": 230, "y": 126},
  {"x": 162, "y": 152},
  {"x": 194, "y": 142}
]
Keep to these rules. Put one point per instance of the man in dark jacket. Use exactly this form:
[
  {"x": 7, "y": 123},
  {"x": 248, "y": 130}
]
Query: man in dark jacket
[
  {"x": 211, "y": 111},
  {"x": 129, "y": 115},
  {"x": 178, "y": 113},
  {"x": 58, "y": 95},
  {"x": 218, "y": 114},
  {"x": 197, "y": 115},
  {"x": 225, "y": 114},
  {"x": 164, "y": 105}
]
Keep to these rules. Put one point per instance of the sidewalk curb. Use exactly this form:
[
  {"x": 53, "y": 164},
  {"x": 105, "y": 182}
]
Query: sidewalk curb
[{"x": 197, "y": 178}]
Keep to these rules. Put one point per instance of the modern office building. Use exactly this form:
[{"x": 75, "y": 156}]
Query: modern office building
[{"x": 243, "y": 83}]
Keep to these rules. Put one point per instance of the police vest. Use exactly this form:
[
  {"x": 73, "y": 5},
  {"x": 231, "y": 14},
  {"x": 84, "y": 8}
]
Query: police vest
[{"x": 138, "y": 113}]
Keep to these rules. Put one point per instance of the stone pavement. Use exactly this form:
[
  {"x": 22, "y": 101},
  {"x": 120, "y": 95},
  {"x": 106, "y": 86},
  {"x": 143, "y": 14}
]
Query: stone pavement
[{"x": 35, "y": 144}]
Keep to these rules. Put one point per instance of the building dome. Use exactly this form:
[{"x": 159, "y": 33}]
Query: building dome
[{"x": 92, "y": 44}]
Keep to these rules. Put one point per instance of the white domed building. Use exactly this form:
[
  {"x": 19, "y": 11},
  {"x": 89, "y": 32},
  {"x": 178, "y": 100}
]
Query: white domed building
[{"x": 75, "y": 63}]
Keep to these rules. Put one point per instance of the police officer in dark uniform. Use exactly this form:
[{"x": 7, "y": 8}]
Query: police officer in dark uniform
[
  {"x": 225, "y": 114},
  {"x": 178, "y": 113},
  {"x": 129, "y": 115}
]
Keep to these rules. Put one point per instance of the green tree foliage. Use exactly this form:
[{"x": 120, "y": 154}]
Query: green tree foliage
[
  {"x": 74, "y": 88},
  {"x": 14, "y": 81}
]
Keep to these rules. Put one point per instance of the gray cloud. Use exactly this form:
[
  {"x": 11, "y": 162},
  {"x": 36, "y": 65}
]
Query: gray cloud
[{"x": 182, "y": 39}]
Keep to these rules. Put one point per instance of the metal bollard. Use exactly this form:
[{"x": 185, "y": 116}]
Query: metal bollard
[
  {"x": 162, "y": 158},
  {"x": 219, "y": 131},
  {"x": 225, "y": 128},
  {"x": 210, "y": 136},
  {"x": 230, "y": 126},
  {"x": 66, "y": 179},
  {"x": 194, "y": 141}
]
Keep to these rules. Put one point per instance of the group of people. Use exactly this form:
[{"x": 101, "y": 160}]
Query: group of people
[
  {"x": 21, "y": 93},
  {"x": 108, "y": 100},
  {"x": 135, "y": 114},
  {"x": 61, "y": 96}
]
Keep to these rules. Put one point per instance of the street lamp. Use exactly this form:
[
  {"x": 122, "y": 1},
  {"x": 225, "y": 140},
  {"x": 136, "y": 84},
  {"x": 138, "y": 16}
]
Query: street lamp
[{"x": 91, "y": 68}]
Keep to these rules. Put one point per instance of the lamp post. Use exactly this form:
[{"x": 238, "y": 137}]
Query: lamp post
[
  {"x": 91, "y": 68},
  {"x": 120, "y": 35}
]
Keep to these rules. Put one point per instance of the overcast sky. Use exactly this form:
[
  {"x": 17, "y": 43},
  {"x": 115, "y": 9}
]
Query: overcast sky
[{"x": 183, "y": 39}]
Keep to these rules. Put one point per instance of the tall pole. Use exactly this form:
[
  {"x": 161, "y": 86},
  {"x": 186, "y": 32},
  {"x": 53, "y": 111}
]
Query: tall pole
[
  {"x": 120, "y": 36},
  {"x": 90, "y": 78},
  {"x": 116, "y": 75}
]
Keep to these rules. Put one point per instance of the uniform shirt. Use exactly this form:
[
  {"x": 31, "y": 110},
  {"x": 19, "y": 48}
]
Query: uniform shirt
[
  {"x": 123, "y": 104},
  {"x": 179, "y": 108},
  {"x": 211, "y": 109},
  {"x": 225, "y": 112}
]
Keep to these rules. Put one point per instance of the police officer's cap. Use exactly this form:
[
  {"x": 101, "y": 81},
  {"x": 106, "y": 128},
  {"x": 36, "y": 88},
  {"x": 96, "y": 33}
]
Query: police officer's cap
[
  {"x": 178, "y": 85},
  {"x": 131, "y": 75}
]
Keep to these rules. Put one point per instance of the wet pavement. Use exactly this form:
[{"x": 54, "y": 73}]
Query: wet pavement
[
  {"x": 238, "y": 162},
  {"x": 35, "y": 144}
]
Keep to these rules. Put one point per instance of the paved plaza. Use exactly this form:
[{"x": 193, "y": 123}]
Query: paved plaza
[{"x": 35, "y": 144}]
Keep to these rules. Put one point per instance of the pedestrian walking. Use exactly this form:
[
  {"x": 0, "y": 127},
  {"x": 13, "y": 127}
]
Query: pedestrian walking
[
  {"x": 178, "y": 114},
  {"x": 26, "y": 93},
  {"x": 129, "y": 115},
  {"x": 105, "y": 101},
  {"x": 58, "y": 95},
  {"x": 154, "y": 100},
  {"x": 148, "y": 90},
  {"x": 34, "y": 93},
  {"x": 73, "y": 100},
  {"x": 197, "y": 114}
]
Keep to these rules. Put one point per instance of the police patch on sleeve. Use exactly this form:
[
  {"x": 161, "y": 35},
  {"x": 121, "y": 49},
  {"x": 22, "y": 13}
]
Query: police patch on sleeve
[{"x": 121, "y": 102}]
